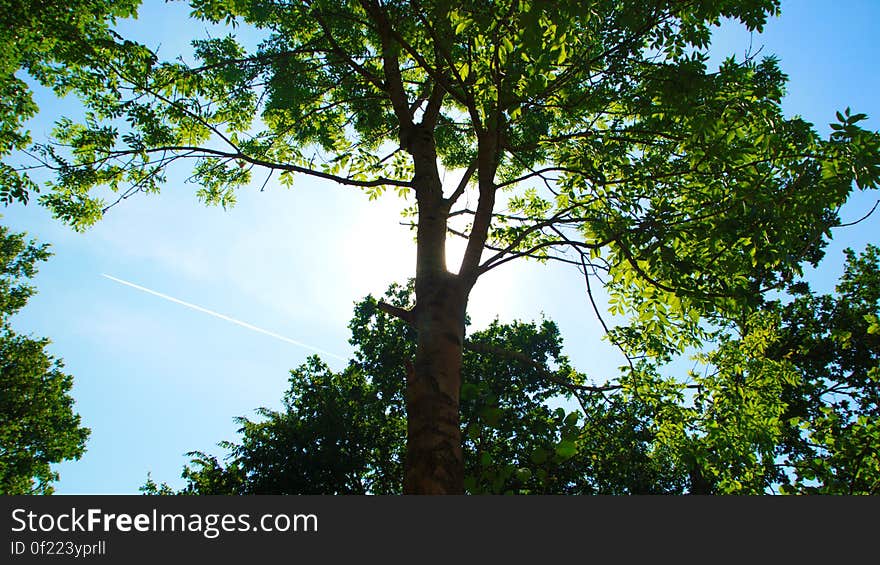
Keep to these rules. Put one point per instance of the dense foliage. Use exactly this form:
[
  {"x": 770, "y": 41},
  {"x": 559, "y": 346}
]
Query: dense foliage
[
  {"x": 592, "y": 133},
  {"x": 35, "y": 39},
  {"x": 784, "y": 398},
  {"x": 344, "y": 432},
  {"x": 788, "y": 403},
  {"x": 38, "y": 425},
  {"x": 832, "y": 444}
]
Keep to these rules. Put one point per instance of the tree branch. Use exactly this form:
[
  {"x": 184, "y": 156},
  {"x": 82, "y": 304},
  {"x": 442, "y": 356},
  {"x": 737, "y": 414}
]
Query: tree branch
[
  {"x": 342, "y": 54},
  {"x": 495, "y": 248},
  {"x": 391, "y": 64},
  {"x": 408, "y": 316},
  {"x": 204, "y": 151},
  {"x": 599, "y": 315},
  {"x": 488, "y": 153},
  {"x": 435, "y": 104},
  {"x": 462, "y": 185}
]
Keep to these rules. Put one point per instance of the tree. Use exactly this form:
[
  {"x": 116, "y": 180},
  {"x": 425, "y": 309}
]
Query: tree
[
  {"x": 344, "y": 432},
  {"x": 34, "y": 36},
  {"x": 787, "y": 401},
  {"x": 616, "y": 148},
  {"x": 784, "y": 398},
  {"x": 38, "y": 426},
  {"x": 831, "y": 442}
]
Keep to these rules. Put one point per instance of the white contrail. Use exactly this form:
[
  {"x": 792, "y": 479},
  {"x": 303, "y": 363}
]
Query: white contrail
[{"x": 222, "y": 317}]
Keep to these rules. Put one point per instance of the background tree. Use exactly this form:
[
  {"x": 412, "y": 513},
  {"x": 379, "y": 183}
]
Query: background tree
[
  {"x": 831, "y": 442},
  {"x": 616, "y": 149},
  {"x": 787, "y": 401},
  {"x": 783, "y": 398},
  {"x": 38, "y": 426},
  {"x": 345, "y": 432}
]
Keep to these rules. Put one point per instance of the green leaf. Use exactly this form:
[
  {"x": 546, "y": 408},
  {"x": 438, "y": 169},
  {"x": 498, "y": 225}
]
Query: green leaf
[
  {"x": 539, "y": 456},
  {"x": 491, "y": 415},
  {"x": 566, "y": 449}
]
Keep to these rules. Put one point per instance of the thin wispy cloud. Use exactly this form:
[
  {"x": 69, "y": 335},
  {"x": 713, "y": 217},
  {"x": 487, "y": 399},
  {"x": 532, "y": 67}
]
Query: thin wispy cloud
[{"x": 198, "y": 308}]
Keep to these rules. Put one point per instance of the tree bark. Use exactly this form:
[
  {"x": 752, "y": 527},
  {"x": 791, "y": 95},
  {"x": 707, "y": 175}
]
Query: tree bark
[
  {"x": 434, "y": 459},
  {"x": 434, "y": 462}
]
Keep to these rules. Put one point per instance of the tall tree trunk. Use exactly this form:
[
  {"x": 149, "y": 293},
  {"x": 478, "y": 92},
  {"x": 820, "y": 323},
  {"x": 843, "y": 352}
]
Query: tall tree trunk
[
  {"x": 434, "y": 462},
  {"x": 434, "y": 459}
]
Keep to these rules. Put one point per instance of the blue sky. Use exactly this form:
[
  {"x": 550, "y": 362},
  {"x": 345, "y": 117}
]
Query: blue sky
[{"x": 155, "y": 379}]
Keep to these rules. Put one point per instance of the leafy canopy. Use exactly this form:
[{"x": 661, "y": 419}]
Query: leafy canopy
[
  {"x": 344, "y": 432},
  {"x": 831, "y": 441},
  {"x": 786, "y": 402},
  {"x": 686, "y": 184},
  {"x": 684, "y": 189},
  {"x": 38, "y": 426},
  {"x": 36, "y": 37},
  {"x": 782, "y": 398}
]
